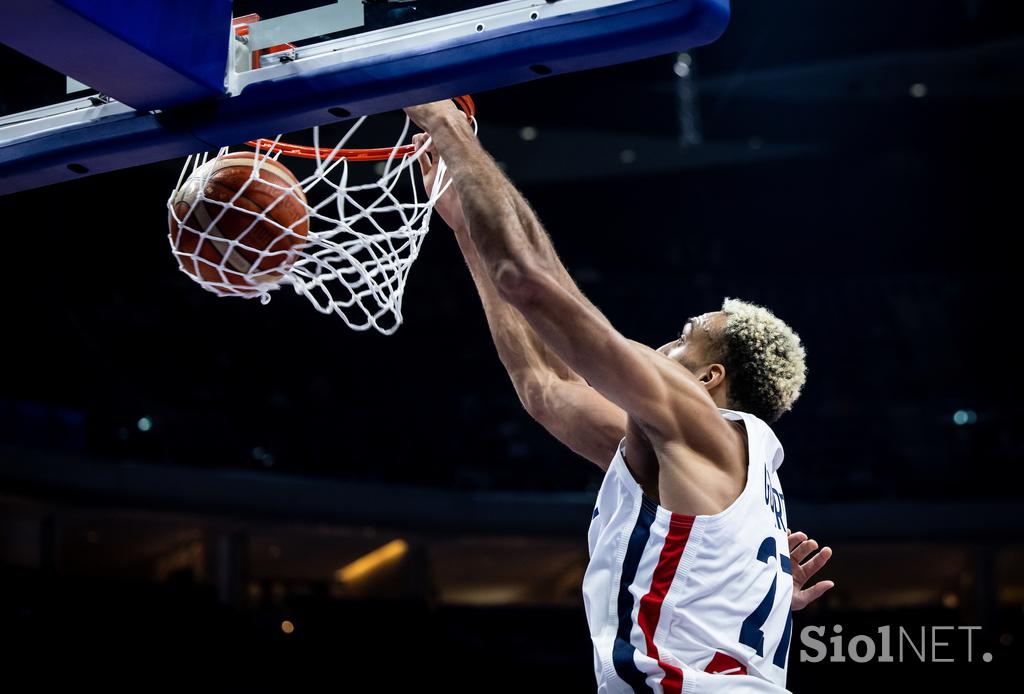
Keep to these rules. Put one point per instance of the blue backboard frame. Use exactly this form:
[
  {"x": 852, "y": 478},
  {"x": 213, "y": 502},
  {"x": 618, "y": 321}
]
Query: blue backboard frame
[{"x": 500, "y": 45}]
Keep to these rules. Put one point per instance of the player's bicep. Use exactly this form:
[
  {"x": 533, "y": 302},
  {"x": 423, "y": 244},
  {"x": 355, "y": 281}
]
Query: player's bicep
[
  {"x": 644, "y": 383},
  {"x": 582, "y": 419}
]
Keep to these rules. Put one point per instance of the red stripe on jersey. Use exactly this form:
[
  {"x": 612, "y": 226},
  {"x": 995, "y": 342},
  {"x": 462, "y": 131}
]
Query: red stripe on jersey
[
  {"x": 725, "y": 664},
  {"x": 650, "y": 604}
]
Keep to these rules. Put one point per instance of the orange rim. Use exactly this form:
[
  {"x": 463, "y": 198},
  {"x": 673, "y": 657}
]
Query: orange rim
[{"x": 329, "y": 154}]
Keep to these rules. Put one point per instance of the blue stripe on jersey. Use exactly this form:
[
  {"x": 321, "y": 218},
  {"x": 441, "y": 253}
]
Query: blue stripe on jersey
[
  {"x": 787, "y": 565},
  {"x": 782, "y": 650},
  {"x": 622, "y": 650}
]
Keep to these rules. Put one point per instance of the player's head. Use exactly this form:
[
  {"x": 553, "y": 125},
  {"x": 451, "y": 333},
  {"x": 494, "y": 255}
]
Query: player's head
[{"x": 747, "y": 351}]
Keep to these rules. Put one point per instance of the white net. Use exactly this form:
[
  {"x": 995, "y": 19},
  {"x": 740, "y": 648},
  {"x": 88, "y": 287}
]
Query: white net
[{"x": 243, "y": 226}]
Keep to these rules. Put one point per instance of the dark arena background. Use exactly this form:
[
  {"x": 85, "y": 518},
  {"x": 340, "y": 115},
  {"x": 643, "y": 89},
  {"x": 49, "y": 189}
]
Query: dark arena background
[{"x": 214, "y": 490}]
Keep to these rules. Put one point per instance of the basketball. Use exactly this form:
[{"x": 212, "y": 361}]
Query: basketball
[{"x": 236, "y": 223}]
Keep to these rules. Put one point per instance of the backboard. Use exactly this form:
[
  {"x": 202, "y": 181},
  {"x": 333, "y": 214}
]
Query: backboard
[{"x": 167, "y": 78}]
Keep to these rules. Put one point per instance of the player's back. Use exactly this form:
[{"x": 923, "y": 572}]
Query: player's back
[{"x": 672, "y": 598}]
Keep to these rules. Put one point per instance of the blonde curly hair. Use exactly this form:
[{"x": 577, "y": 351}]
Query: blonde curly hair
[{"x": 764, "y": 360}]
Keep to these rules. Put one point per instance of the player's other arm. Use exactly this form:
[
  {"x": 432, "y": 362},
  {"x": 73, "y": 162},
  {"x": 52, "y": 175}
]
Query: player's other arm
[
  {"x": 554, "y": 395},
  {"x": 662, "y": 395}
]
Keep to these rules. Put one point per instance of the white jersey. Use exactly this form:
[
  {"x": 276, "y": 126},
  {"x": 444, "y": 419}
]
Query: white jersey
[{"x": 687, "y": 604}]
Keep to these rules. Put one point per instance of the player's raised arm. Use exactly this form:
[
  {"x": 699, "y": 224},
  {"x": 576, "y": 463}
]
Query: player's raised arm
[
  {"x": 553, "y": 394},
  {"x": 658, "y": 392}
]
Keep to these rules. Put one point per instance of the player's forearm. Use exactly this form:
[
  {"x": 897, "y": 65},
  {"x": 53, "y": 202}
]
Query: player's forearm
[
  {"x": 491, "y": 215},
  {"x": 507, "y": 229},
  {"x": 541, "y": 246},
  {"x": 541, "y": 240},
  {"x": 502, "y": 228},
  {"x": 524, "y": 355}
]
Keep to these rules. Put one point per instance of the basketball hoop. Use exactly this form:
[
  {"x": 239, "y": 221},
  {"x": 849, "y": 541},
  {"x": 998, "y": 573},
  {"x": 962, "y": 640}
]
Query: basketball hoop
[
  {"x": 350, "y": 254},
  {"x": 378, "y": 154}
]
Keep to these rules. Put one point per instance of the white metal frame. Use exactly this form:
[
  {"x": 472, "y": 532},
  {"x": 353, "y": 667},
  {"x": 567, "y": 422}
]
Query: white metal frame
[{"x": 412, "y": 37}]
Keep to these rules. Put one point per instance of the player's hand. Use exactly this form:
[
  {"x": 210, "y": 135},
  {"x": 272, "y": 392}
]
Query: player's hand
[
  {"x": 805, "y": 566},
  {"x": 429, "y": 116},
  {"x": 448, "y": 205}
]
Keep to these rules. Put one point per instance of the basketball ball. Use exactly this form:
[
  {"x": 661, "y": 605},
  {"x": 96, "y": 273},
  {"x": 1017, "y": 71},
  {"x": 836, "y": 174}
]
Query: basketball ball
[{"x": 236, "y": 229}]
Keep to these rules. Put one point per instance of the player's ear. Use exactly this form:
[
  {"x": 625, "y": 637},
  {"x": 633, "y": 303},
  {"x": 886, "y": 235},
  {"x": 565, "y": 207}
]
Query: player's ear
[{"x": 712, "y": 376}]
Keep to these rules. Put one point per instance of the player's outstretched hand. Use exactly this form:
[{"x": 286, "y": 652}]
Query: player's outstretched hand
[
  {"x": 448, "y": 205},
  {"x": 805, "y": 566}
]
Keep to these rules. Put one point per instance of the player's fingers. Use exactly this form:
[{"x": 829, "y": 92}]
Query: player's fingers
[
  {"x": 817, "y": 590},
  {"x": 420, "y": 139},
  {"x": 425, "y": 162},
  {"x": 814, "y": 564},
  {"x": 803, "y": 550},
  {"x": 795, "y": 539}
]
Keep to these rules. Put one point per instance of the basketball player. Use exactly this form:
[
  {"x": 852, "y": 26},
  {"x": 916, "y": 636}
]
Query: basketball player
[{"x": 693, "y": 574}]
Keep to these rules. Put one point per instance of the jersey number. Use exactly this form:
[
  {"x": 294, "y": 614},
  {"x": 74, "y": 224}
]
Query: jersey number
[{"x": 751, "y": 633}]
